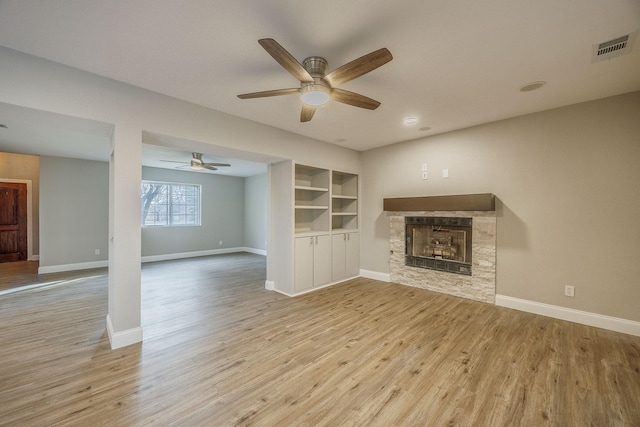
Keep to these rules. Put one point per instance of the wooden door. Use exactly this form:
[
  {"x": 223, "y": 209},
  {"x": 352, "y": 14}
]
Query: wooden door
[{"x": 13, "y": 222}]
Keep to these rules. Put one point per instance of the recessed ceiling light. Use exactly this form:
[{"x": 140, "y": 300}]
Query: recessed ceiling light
[
  {"x": 410, "y": 121},
  {"x": 532, "y": 86},
  {"x": 425, "y": 128}
]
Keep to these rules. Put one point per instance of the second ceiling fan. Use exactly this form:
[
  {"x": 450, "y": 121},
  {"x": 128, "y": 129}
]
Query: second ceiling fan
[
  {"x": 197, "y": 163},
  {"x": 316, "y": 87}
]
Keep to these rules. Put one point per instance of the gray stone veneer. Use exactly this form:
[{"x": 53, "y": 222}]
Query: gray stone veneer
[{"x": 480, "y": 286}]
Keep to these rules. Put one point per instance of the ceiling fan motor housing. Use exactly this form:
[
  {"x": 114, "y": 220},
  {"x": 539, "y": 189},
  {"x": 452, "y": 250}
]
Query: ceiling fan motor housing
[
  {"x": 317, "y": 92},
  {"x": 316, "y": 66}
]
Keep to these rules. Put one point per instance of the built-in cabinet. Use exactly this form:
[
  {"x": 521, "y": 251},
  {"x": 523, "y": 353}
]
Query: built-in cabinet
[
  {"x": 326, "y": 241},
  {"x": 345, "y": 255},
  {"x": 312, "y": 255}
]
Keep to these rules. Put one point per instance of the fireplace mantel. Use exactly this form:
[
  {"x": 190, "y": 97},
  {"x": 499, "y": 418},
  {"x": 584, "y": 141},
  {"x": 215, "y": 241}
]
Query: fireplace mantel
[{"x": 462, "y": 202}]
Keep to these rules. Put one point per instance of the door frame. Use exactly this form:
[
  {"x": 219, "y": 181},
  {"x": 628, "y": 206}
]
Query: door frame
[{"x": 30, "y": 256}]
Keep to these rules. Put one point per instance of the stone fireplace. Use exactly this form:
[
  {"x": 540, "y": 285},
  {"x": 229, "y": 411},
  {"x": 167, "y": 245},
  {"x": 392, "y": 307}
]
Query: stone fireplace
[
  {"x": 439, "y": 243},
  {"x": 452, "y": 251}
]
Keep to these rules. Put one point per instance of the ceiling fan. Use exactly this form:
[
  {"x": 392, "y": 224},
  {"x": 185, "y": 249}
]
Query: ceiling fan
[
  {"x": 316, "y": 87},
  {"x": 198, "y": 164}
]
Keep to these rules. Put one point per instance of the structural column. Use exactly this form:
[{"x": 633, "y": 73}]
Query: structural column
[{"x": 125, "y": 173}]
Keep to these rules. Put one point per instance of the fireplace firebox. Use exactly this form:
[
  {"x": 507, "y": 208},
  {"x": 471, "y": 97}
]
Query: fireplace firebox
[{"x": 439, "y": 243}]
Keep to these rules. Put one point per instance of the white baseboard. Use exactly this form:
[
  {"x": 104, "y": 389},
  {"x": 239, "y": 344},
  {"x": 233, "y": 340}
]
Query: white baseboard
[
  {"x": 182, "y": 255},
  {"x": 307, "y": 291},
  {"x": 253, "y": 251},
  {"x": 375, "y": 275},
  {"x": 73, "y": 267},
  {"x": 583, "y": 317},
  {"x": 123, "y": 338},
  {"x": 151, "y": 258}
]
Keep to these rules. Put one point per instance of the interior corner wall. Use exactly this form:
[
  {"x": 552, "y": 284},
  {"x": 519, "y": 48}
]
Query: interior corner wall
[
  {"x": 568, "y": 209},
  {"x": 222, "y": 215},
  {"x": 74, "y": 201},
  {"x": 255, "y": 212},
  {"x": 20, "y": 166}
]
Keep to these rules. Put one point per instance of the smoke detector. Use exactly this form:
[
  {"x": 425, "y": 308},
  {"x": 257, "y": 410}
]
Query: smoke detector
[{"x": 612, "y": 48}]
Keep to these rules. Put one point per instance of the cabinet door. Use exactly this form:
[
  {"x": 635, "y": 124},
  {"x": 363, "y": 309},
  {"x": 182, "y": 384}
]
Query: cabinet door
[
  {"x": 352, "y": 255},
  {"x": 338, "y": 256},
  {"x": 322, "y": 260},
  {"x": 303, "y": 263}
]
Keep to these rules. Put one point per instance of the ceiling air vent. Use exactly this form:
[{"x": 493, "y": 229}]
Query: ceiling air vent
[{"x": 612, "y": 48}]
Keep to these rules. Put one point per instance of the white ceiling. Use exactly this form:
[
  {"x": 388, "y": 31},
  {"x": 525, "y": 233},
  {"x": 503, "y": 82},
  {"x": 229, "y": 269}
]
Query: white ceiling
[{"x": 456, "y": 63}]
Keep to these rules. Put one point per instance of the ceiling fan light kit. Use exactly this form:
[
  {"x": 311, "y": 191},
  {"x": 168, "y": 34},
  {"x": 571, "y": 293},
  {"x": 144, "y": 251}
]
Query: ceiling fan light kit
[
  {"x": 315, "y": 94},
  {"x": 316, "y": 87}
]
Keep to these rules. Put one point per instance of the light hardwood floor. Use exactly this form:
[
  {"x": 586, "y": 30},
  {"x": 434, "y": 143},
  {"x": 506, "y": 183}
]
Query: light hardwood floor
[{"x": 219, "y": 350}]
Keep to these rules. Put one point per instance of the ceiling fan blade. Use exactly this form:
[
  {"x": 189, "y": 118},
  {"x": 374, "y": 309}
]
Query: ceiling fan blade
[
  {"x": 174, "y": 161},
  {"x": 307, "y": 112},
  {"x": 285, "y": 59},
  {"x": 266, "y": 93},
  {"x": 355, "y": 99},
  {"x": 217, "y": 164},
  {"x": 358, "y": 67},
  {"x": 208, "y": 166}
]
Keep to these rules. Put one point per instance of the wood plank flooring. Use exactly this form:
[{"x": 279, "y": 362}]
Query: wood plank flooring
[{"x": 219, "y": 350}]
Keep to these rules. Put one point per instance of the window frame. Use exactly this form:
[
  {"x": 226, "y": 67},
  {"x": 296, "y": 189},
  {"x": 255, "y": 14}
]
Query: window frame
[{"x": 170, "y": 204}]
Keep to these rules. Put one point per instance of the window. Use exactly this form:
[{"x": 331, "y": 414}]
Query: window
[{"x": 170, "y": 204}]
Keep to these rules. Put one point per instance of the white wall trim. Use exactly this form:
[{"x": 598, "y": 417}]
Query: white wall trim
[
  {"x": 254, "y": 251},
  {"x": 583, "y": 317},
  {"x": 72, "y": 267},
  {"x": 150, "y": 258},
  {"x": 307, "y": 291},
  {"x": 181, "y": 255},
  {"x": 123, "y": 338},
  {"x": 375, "y": 275}
]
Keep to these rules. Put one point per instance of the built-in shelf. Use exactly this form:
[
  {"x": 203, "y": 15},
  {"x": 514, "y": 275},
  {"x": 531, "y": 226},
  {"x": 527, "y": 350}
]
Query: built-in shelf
[
  {"x": 311, "y": 203},
  {"x": 302, "y": 187},
  {"x": 311, "y": 207},
  {"x": 325, "y": 200},
  {"x": 344, "y": 201}
]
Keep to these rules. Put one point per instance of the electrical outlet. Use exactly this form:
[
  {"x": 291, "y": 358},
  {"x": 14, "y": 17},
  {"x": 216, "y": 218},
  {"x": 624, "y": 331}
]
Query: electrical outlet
[
  {"x": 424, "y": 175},
  {"x": 220, "y": 242},
  {"x": 424, "y": 167},
  {"x": 569, "y": 291},
  {"x": 97, "y": 251},
  {"x": 445, "y": 173}
]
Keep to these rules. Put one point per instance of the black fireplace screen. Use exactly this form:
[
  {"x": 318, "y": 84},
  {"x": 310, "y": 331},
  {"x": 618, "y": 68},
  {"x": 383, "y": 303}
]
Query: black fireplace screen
[{"x": 439, "y": 243}]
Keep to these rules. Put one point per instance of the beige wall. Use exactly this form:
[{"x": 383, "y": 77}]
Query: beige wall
[
  {"x": 75, "y": 211},
  {"x": 18, "y": 166},
  {"x": 568, "y": 184}
]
